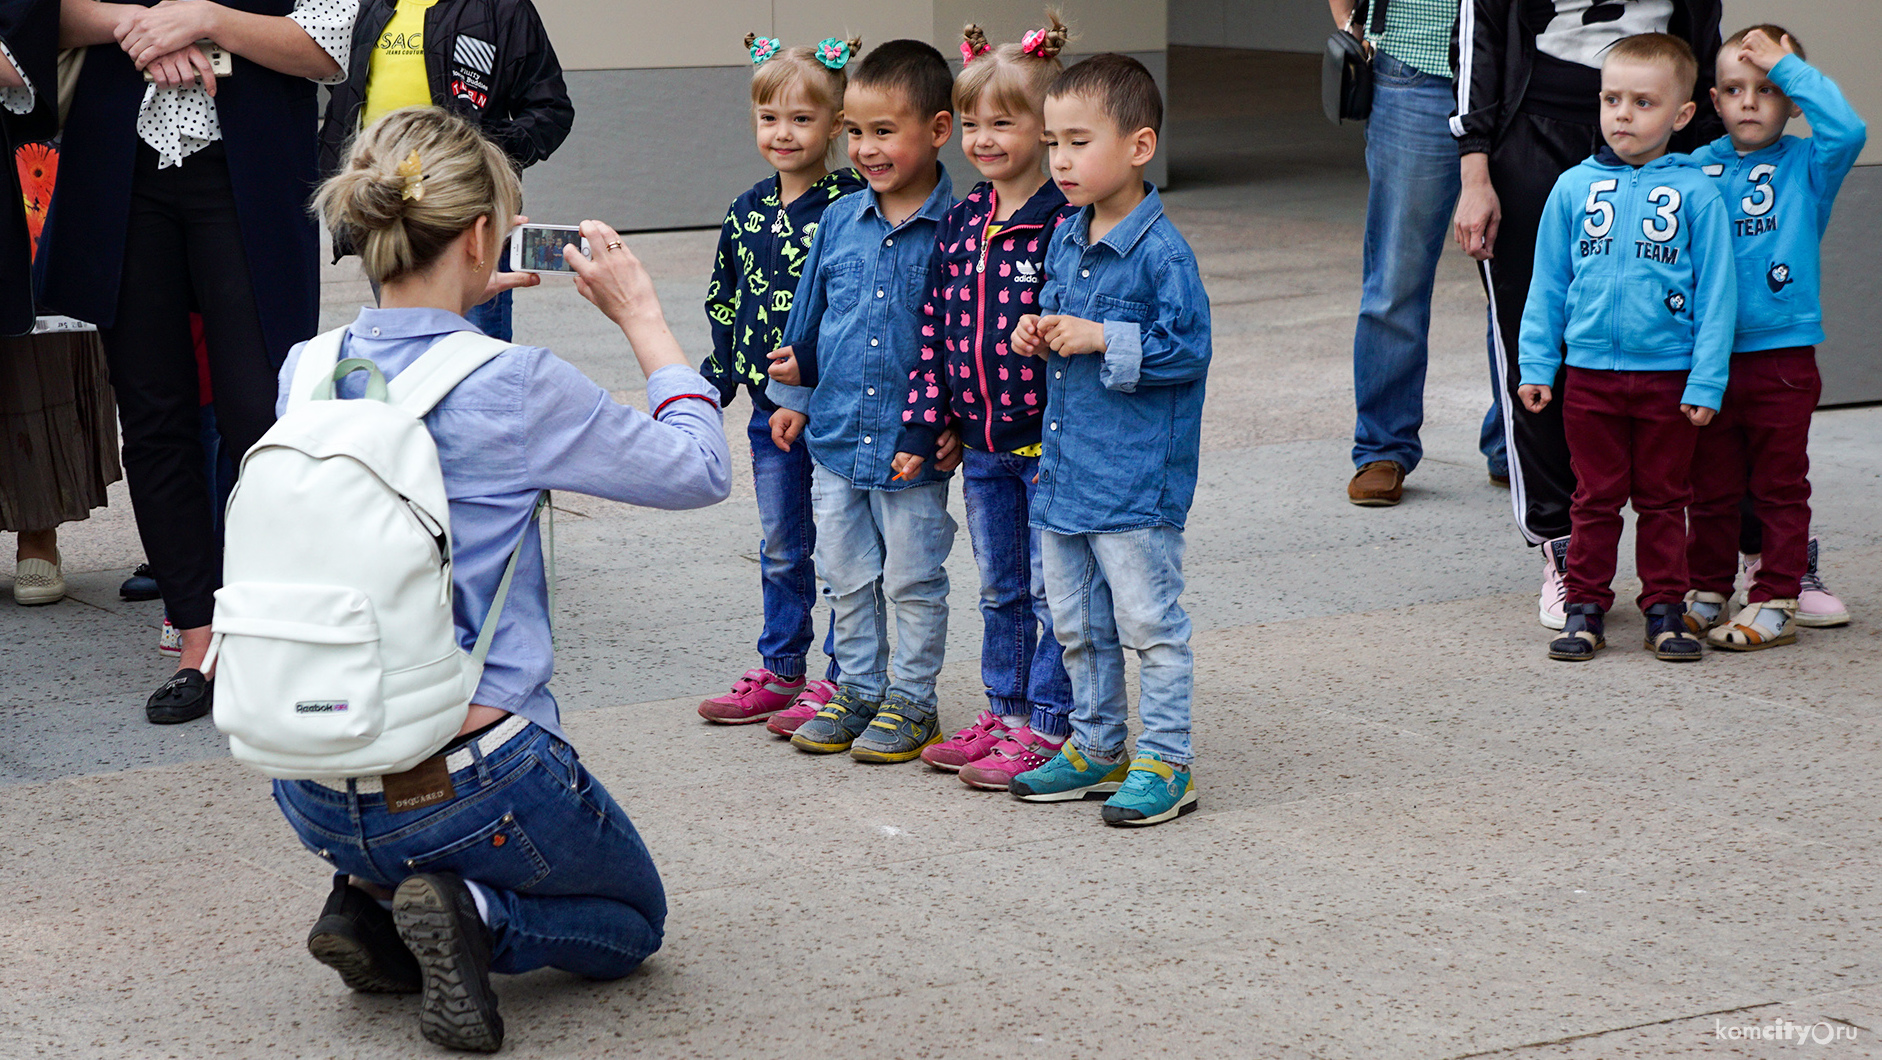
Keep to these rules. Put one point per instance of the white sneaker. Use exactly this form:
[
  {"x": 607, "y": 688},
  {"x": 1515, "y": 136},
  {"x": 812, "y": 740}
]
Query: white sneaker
[
  {"x": 1554, "y": 596},
  {"x": 37, "y": 582},
  {"x": 1817, "y": 606},
  {"x": 170, "y": 641}
]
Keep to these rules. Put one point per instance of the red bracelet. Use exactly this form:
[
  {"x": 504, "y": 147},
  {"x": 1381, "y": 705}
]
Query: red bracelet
[{"x": 683, "y": 397}]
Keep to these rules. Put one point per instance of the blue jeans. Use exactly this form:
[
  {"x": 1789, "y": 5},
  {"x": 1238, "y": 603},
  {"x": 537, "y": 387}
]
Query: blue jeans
[
  {"x": 570, "y": 884},
  {"x": 876, "y": 548},
  {"x": 1411, "y": 161},
  {"x": 1112, "y": 592},
  {"x": 781, "y": 479},
  {"x": 493, "y": 317},
  {"x": 1019, "y": 655}
]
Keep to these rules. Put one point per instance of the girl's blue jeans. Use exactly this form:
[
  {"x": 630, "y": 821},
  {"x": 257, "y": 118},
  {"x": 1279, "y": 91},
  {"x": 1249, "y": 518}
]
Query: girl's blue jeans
[
  {"x": 1019, "y": 655},
  {"x": 786, "y": 564}
]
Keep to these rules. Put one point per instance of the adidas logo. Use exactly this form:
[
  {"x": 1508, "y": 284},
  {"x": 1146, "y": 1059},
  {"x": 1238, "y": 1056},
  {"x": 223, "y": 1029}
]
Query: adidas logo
[{"x": 1025, "y": 272}]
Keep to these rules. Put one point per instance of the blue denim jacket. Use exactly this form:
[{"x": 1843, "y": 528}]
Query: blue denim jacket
[
  {"x": 856, "y": 327},
  {"x": 1124, "y": 429}
]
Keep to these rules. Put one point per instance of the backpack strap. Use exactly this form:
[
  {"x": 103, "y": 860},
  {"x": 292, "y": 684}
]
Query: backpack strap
[
  {"x": 441, "y": 368},
  {"x": 488, "y": 631},
  {"x": 315, "y": 367}
]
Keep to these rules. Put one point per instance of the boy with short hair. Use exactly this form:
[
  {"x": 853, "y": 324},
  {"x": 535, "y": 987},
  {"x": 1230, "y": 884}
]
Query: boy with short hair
[
  {"x": 1125, "y": 337},
  {"x": 851, "y": 344},
  {"x": 1778, "y": 192},
  {"x": 1636, "y": 241}
]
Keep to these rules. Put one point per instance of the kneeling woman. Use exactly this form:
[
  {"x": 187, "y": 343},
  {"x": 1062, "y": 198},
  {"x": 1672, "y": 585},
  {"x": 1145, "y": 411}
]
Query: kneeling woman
[{"x": 529, "y": 863}]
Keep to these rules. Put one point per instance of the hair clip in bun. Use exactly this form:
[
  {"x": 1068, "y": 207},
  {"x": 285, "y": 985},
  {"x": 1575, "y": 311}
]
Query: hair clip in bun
[
  {"x": 763, "y": 48},
  {"x": 971, "y": 51},
  {"x": 1034, "y": 43},
  {"x": 412, "y": 178},
  {"x": 833, "y": 53}
]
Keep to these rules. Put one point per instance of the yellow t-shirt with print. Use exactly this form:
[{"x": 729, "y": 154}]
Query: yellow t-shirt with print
[{"x": 395, "y": 76}]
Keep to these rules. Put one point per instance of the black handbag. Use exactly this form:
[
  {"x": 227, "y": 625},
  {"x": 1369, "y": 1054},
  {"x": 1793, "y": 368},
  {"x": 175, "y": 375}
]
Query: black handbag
[{"x": 1346, "y": 69}]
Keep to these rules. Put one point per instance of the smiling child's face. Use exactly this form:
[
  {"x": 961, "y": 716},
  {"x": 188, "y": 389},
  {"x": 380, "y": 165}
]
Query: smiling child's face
[
  {"x": 794, "y": 131},
  {"x": 889, "y": 144},
  {"x": 1003, "y": 143}
]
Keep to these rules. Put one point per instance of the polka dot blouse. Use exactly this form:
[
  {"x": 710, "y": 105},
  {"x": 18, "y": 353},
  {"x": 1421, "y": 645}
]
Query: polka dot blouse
[{"x": 178, "y": 122}]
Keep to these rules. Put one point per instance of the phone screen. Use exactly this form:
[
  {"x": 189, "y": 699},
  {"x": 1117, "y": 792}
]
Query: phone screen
[{"x": 540, "y": 248}]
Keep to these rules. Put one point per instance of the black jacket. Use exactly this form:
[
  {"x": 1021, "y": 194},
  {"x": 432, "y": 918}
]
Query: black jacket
[
  {"x": 488, "y": 60},
  {"x": 1494, "y": 52}
]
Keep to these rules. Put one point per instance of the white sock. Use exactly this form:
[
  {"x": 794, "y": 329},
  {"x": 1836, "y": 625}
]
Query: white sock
[
  {"x": 1049, "y": 741},
  {"x": 482, "y": 900},
  {"x": 1705, "y": 609},
  {"x": 1771, "y": 620},
  {"x": 1014, "y": 721}
]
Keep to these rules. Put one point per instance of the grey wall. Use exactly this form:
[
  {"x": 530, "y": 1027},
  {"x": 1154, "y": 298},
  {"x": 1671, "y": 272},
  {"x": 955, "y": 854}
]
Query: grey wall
[
  {"x": 671, "y": 148},
  {"x": 1851, "y": 357},
  {"x": 1264, "y": 25}
]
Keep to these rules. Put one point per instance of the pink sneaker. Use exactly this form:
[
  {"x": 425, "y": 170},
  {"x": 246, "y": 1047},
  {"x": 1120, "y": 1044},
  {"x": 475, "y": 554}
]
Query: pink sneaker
[
  {"x": 815, "y": 696},
  {"x": 969, "y": 745},
  {"x": 1554, "y": 597},
  {"x": 755, "y": 697},
  {"x": 1008, "y": 759},
  {"x": 1817, "y": 606},
  {"x": 170, "y": 640}
]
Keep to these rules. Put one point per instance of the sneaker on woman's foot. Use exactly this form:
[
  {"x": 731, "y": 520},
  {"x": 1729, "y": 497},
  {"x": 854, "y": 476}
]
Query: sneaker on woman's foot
[
  {"x": 1018, "y": 753},
  {"x": 1817, "y": 606},
  {"x": 756, "y": 696},
  {"x": 969, "y": 745},
  {"x": 805, "y": 707}
]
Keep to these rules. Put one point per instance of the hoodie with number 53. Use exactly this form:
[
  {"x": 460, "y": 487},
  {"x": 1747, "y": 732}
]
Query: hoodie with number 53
[{"x": 1633, "y": 273}]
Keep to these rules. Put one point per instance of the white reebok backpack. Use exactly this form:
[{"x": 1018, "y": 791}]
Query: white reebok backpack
[{"x": 334, "y": 646}]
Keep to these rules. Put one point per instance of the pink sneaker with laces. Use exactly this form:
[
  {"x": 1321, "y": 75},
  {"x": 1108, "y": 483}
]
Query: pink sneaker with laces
[
  {"x": 968, "y": 745},
  {"x": 1817, "y": 606},
  {"x": 1552, "y": 601},
  {"x": 756, "y": 696},
  {"x": 1009, "y": 758},
  {"x": 815, "y": 696}
]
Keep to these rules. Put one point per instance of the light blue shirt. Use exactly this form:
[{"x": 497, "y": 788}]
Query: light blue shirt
[{"x": 525, "y": 422}]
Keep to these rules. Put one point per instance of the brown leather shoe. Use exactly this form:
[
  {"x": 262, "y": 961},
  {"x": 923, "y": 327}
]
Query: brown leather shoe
[{"x": 1377, "y": 485}]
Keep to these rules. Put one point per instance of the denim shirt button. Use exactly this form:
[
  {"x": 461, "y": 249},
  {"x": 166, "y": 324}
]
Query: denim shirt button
[
  {"x": 1084, "y": 272},
  {"x": 1060, "y": 374},
  {"x": 1055, "y": 425},
  {"x": 867, "y": 439},
  {"x": 878, "y": 292},
  {"x": 872, "y": 391},
  {"x": 872, "y": 342},
  {"x": 889, "y": 242}
]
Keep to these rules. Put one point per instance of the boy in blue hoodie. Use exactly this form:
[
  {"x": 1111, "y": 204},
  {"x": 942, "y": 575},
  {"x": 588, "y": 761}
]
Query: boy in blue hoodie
[
  {"x": 1633, "y": 274},
  {"x": 1778, "y": 192}
]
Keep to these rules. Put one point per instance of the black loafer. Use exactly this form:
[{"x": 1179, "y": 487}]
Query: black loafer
[
  {"x": 356, "y": 937},
  {"x": 437, "y": 918},
  {"x": 140, "y": 585},
  {"x": 185, "y": 697}
]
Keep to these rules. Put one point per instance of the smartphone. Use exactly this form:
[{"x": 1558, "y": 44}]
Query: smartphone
[
  {"x": 538, "y": 248},
  {"x": 219, "y": 62}
]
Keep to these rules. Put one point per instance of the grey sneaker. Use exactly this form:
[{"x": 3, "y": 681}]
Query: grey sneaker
[
  {"x": 898, "y": 733},
  {"x": 837, "y": 725}
]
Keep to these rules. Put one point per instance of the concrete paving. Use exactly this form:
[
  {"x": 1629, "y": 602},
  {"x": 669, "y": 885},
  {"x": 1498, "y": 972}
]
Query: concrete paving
[{"x": 1419, "y": 838}]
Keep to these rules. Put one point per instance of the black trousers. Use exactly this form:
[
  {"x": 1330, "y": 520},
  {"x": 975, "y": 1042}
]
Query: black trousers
[
  {"x": 1524, "y": 165},
  {"x": 183, "y": 251}
]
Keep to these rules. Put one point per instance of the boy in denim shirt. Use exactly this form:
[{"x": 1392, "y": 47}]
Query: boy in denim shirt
[
  {"x": 1125, "y": 337},
  {"x": 852, "y": 341}
]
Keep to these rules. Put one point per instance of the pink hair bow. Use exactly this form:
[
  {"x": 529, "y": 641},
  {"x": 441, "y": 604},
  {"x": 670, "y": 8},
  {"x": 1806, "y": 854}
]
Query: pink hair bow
[
  {"x": 969, "y": 52},
  {"x": 1034, "y": 43}
]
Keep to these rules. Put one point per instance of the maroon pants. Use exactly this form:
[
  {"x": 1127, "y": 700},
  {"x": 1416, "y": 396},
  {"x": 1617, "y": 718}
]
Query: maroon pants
[
  {"x": 1627, "y": 440},
  {"x": 1757, "y": 445}
]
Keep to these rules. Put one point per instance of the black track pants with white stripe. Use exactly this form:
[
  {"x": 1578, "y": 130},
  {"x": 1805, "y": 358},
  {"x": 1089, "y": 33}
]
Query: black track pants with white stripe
[{"x": 1524, "y": 165}]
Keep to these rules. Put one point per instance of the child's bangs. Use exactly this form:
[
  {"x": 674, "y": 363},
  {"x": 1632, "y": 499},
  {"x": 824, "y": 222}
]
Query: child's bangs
[
  {"x": 790, "y": 73},
  {"x": 995, "y": 81}
]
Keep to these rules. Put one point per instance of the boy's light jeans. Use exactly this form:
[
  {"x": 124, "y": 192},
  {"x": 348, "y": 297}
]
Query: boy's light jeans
[
  {"x": 1115, "y": 591},
  {"x": 881, "y": 547},
  {"x": 1411, "y": 160}
]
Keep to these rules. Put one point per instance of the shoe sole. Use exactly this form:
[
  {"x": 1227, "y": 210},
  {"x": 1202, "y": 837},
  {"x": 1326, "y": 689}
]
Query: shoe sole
[
  {"x": 169, "y": 718},
  {"x": 881, "y": 758},
  {"x": 1374, "y": 502},
  {"x": 1003, "y": 784},
  {"x": 1549, "y": 621},
  {"x": 1672, "y": 657},
  {"x": 459, "y": 1011},
  {"x": 1185, "y": 806},
  {"x": 802, "y": 744},
  {"x": 786, "y": 733},
  {"x": 1841, "y": 618},
  {"x": 37, "y": 600},
  {"x": 355, "y": 964},
  {"x": 752, "y": 720},
  {"x": 1566, "y": 657},
  {"x": 1788, "y": 638},
  {"x": 1104, "y": 789}
]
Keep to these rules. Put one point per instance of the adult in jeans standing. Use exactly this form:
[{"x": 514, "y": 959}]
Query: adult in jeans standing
[
  {"x": 1528, "y": 109},
  {"x": 1411, "y": 162}
]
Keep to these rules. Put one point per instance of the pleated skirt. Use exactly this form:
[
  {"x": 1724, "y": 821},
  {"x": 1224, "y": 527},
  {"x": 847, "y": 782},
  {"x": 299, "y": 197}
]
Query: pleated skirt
[{"x": 59, "y": 426}]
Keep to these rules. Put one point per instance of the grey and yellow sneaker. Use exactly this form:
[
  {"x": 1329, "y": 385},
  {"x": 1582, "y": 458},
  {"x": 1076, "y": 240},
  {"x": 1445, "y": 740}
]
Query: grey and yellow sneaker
[
  {"x": 897, "y": 733},
  {"x": 837, "y": 725}
]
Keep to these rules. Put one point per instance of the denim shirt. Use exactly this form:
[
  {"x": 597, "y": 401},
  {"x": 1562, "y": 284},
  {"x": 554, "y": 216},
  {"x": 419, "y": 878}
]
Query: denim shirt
[
  {"x": 525, "y": 422},
  {"x": 856, "y": 328},
  {"x": 1124, "y": 429}
]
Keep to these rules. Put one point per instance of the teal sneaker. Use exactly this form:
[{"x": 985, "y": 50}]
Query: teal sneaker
[
  {"x": 1069, "y": 775},
  {"x": 898, "y": 732},
  {"x": 1152, "y": 793},
  {"x": 837, "y": 725}
]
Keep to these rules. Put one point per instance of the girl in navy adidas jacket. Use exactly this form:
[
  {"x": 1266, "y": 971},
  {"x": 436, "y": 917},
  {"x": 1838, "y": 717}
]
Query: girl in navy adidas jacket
[{"x": 987, "y": 269}]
